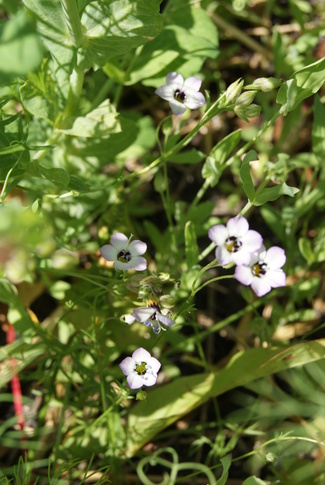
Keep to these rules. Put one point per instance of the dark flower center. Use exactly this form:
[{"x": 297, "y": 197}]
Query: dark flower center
[
  {"x": 179, "y": 95},
  {"x": 233, "y": 244},
  {"x": 141, "y": 369},
  {"x": 124, "y": 256},
  {"x": 259, "y": 269}
]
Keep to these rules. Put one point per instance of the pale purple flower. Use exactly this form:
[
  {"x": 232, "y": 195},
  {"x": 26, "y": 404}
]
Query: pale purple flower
[
  {"x": 124, "y": 253},
  {"x": 235, "y": 242},
  {"x": 263, "y": 272},
  {"x": 140, "y": 369},
  {"x": 151, "y": 316},
  {"x": 181, "y": 94}
]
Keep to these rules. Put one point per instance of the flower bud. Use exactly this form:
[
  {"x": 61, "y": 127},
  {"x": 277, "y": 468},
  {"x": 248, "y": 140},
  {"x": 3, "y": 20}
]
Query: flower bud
[
  {"x": 234, "y": 90},
  {"x": 245, "y": 112},
  {"x": 265, "y": 84},
  {"x": 246, "y": 98},
  {"x": 167, "y": 301}
]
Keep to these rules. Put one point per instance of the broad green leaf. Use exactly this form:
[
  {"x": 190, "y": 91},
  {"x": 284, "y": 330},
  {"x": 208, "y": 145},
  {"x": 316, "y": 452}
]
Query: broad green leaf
[
  {"x": 306, "y": 250},
  {"x": 55, "y": 34},
  {"x": 38, "y": 95},
  {"x": 254, "y": 481},
  {"x": 223, "y": 149},
  {"x": 188, "y": 38},
  {"x": 21, "y": 50},
  {"x": 167, "y": 404},
  {"x": 212, "y": 168},
  {"x": 226, "y": 462},
  {"x": 116, "y": 27},
  {"x": 245, "y": 174},
  {"x": 318, "y": 133},
  {"x": 189, "y": 156},
  {"x": 191, "y": 247},
  {"x": 273, "y": 193},
  {"x": 58, "y": 176},
  {"x": 98, "y": 123},
  {"x": 303, "y": 83}
]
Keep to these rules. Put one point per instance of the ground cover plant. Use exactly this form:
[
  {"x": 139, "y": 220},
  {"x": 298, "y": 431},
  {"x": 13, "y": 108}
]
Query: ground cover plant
[{"x": 162, "y": 242}]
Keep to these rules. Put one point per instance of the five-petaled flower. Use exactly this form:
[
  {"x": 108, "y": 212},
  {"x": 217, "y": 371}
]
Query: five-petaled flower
[
  {"x": 263, "y": 272},
  {"x": 235, "y": 242},
  {"x": 140, "y": 369},
  {"x": 124, "y": 253},
  {"x": 181, "y": 94},
  {"x": 150, "y": 316}
]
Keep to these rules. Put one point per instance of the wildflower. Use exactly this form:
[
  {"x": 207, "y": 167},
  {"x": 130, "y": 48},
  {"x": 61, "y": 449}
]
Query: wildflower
[
  {"x": 181, "y": 94},
  {"x": 151, "y": 316},
  {"x": 235, "y": 242},
  {"x": 140, "y": 369},
  {"x": 263, "y": 270},
  {"x": 125, "y": 254}
]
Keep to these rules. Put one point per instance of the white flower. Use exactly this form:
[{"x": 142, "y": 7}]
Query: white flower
[
  {"x": 181, "y": 94},
  {"x": 140, "y": 369},
  {"x": 125, "y": 254},
  {"x": 150, "y": 316},
  {"x": 235, "y": 242},
  {"x": 263, "y": 270}
]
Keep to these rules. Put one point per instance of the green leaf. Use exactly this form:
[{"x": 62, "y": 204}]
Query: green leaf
[
  {"x": 226, "y": 462},
  {"x": 38, "y": 94},
  {"x": 169, "y": 403},
  {"x": 303, "y": 83},
  {"x": 318, "y": 134},
  {"x": 306, "y": 250},
  {"x": 21, "y": 50},
  {"x": 254, "y": 481},
  {"x": 98, "y": 123},
  {"x": 188, "y": 38},
  {"x": 191, "y": 247},
  {"x": 116, "y": 27},
  {"x": 58, "y": 176},
  {"x": 212, "y": 169},
  {"x": 187, "y": 157},
  {"x": 245, "y": 174},
  {"x": 273, "y": 193}
]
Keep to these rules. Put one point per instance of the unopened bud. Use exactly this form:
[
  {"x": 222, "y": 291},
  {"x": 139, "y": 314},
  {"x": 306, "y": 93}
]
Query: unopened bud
[
  {"x": 234, "y": 90},
  {"x": 245, "y": 112},
  {"x": 265, "y": 84},
  {"x": 245, "y": 99},
  {"x": 167, "y": 301}
]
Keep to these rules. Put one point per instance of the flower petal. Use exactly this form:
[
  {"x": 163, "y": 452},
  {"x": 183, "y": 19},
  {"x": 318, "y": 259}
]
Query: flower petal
[
  {"x": 192, "y": 83},
  {"x": 261, "y": 286},
  {"x": 166, "y": 92},
  {"x": 275, "y": 257},
  {"x": 252, "y": 241},
  {"x": 123, "y": 266},
  {"x": 129, "y": 319},
  {"x": 237, "y": 226},
  {"x": 154, "y": 364},
  {"x": 141, "y": 355},
  {"x": 244, "y": 275},
  {"x": 177, "y": 107},
  {"x": 165, "y": 320},
  {"x": 194, "y": 100},
  {"x": 224, "y": 256},
  {"x": 218, "y": 234},
  {"x": 135, "y": 381},
  {"x": 119, "y": 241},
  {"x": 276, "y": 277},
  {"x": 175, "y": 79},
  {"x": 150, "y": 380},
  {"x": 155, "y": 325},
  {"x": 143, "y": 314},
  {"x": 109, "y": 252},
  {"x": 138, "y": 263},
  {"x": 127, "y": 365},
  {"x": 241, "y": 257},
  {"x": 137, "y": 247}
]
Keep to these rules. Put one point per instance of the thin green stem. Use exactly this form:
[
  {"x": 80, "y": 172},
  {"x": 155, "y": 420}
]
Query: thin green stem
[{"x": 3, "y": 191}]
